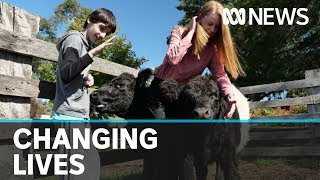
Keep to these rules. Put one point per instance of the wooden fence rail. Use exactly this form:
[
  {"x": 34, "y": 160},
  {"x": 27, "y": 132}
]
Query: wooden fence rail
[
  {"x": 313, "y": 99},
  {"x": 34, "y": 47},
  {"x": 303, "y": 83}
]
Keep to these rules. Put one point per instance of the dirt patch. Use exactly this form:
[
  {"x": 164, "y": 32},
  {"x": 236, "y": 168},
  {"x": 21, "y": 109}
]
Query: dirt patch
[
  {"x": 280, "y": 169},
  {"x": 260, "y": 169},
  {"x": 131, "y": 170}
]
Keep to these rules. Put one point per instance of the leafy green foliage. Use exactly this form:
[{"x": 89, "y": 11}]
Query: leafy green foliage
[
  {"x": 47, "y": 30},
  {"x": 44, "y": 70},
  {"x": 64, "y": 14},
  {"x": 67, "y": 10},
  {"x": 120, "y": 52},
  {"x": 192, "y": 8},
  {"x": 278, "y": 111},
  {"x": 271, "y": 53},
  {"x": 78, "y": 22},
  {"x": 279, "y": 53},
  {"x": 39, "y": 108}
]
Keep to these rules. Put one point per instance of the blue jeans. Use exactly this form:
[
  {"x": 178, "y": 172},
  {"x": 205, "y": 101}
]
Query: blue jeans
[
  {"x": 58, "y": 116},
  {"x": 91, "y": 160}
]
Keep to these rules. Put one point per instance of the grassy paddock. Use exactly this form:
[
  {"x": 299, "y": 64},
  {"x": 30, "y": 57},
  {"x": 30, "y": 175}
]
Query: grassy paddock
[{"x": 266, "y": 168}]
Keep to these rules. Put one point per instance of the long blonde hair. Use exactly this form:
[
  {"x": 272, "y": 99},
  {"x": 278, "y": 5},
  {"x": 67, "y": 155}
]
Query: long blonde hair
[{"x": 224, "y": 46}]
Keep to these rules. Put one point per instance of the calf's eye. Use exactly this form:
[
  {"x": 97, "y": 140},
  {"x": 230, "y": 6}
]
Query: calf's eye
[{"x": 213, "y": 97}]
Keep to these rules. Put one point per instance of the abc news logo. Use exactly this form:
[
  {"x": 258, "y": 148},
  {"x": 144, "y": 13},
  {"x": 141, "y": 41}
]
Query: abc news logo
[{"x": 265, "y": 16}]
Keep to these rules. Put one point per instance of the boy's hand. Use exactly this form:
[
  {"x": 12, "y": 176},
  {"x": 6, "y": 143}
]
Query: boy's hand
[
  {"x": 97, "y": 50},
  {"x": 88, "y": 80}
]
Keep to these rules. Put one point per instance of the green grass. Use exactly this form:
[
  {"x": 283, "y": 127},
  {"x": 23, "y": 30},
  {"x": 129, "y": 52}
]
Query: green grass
[
  {"x": 133, "y": 170},
  {"x": 267, "y": 162},
  {"x": 135, "y": 175},
  {"x": 49, "y": 178},
  {"x": 302, "y": 163}
]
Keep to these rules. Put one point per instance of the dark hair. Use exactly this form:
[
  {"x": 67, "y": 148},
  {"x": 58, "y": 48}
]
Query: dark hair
[{"x": 104, "y": 16}]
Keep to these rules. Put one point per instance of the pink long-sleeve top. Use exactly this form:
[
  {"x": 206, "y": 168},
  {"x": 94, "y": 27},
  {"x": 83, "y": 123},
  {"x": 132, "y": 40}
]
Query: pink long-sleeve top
[{"x": 181, "y": 65}]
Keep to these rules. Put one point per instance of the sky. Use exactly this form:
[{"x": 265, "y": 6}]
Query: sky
[{"x": 145, "y": 23}]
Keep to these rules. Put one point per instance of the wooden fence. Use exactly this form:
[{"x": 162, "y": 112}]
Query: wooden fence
[
  {"x": 267, "y": 142},
  {"x": 287, "y": 142}
]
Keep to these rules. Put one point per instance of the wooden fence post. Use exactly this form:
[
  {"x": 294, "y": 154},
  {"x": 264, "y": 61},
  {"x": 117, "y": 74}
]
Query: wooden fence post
[
  {"x": 311, "y": 74},
  {"x": 22, "y": 23}
]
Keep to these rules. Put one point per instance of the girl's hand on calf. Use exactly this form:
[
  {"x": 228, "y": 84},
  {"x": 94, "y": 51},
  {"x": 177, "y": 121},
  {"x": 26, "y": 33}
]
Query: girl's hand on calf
[{"x": 231, "y": 100}]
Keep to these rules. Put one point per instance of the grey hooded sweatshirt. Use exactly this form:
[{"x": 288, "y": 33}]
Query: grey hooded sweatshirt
[{"x": 72, "y": 98}]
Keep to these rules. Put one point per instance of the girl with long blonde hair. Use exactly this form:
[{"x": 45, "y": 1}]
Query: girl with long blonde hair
[
  {"x": 205, "y": 43},
  {"x": 226, "y": 50}
]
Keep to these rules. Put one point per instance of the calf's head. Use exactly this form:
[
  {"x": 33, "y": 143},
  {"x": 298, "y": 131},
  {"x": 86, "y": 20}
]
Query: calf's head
[
  {"x": 201, "y": 99},
  {"x": 117, "y": 96}
]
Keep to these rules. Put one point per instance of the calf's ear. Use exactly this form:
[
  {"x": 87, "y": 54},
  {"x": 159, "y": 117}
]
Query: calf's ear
[
  {"x": 170, "y": 90},
  {"x": 145, "y": 78}
]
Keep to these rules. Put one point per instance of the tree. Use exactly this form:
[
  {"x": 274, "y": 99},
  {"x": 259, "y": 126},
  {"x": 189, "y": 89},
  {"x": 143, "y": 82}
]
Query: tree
[
  {"x": 279, "y": 53},
  {"x": 271, "y": 53},
  {"x": 191, "y": 8}
]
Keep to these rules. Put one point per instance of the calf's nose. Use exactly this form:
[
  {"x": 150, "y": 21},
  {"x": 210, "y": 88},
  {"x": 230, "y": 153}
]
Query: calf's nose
[
  {"x": 94, "y": 95},
  {"x": 202, "y": 113}
]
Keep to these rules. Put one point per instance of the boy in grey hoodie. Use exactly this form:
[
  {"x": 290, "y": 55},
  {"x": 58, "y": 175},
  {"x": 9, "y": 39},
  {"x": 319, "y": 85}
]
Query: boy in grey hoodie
[{"x": 72, "y": 97}]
